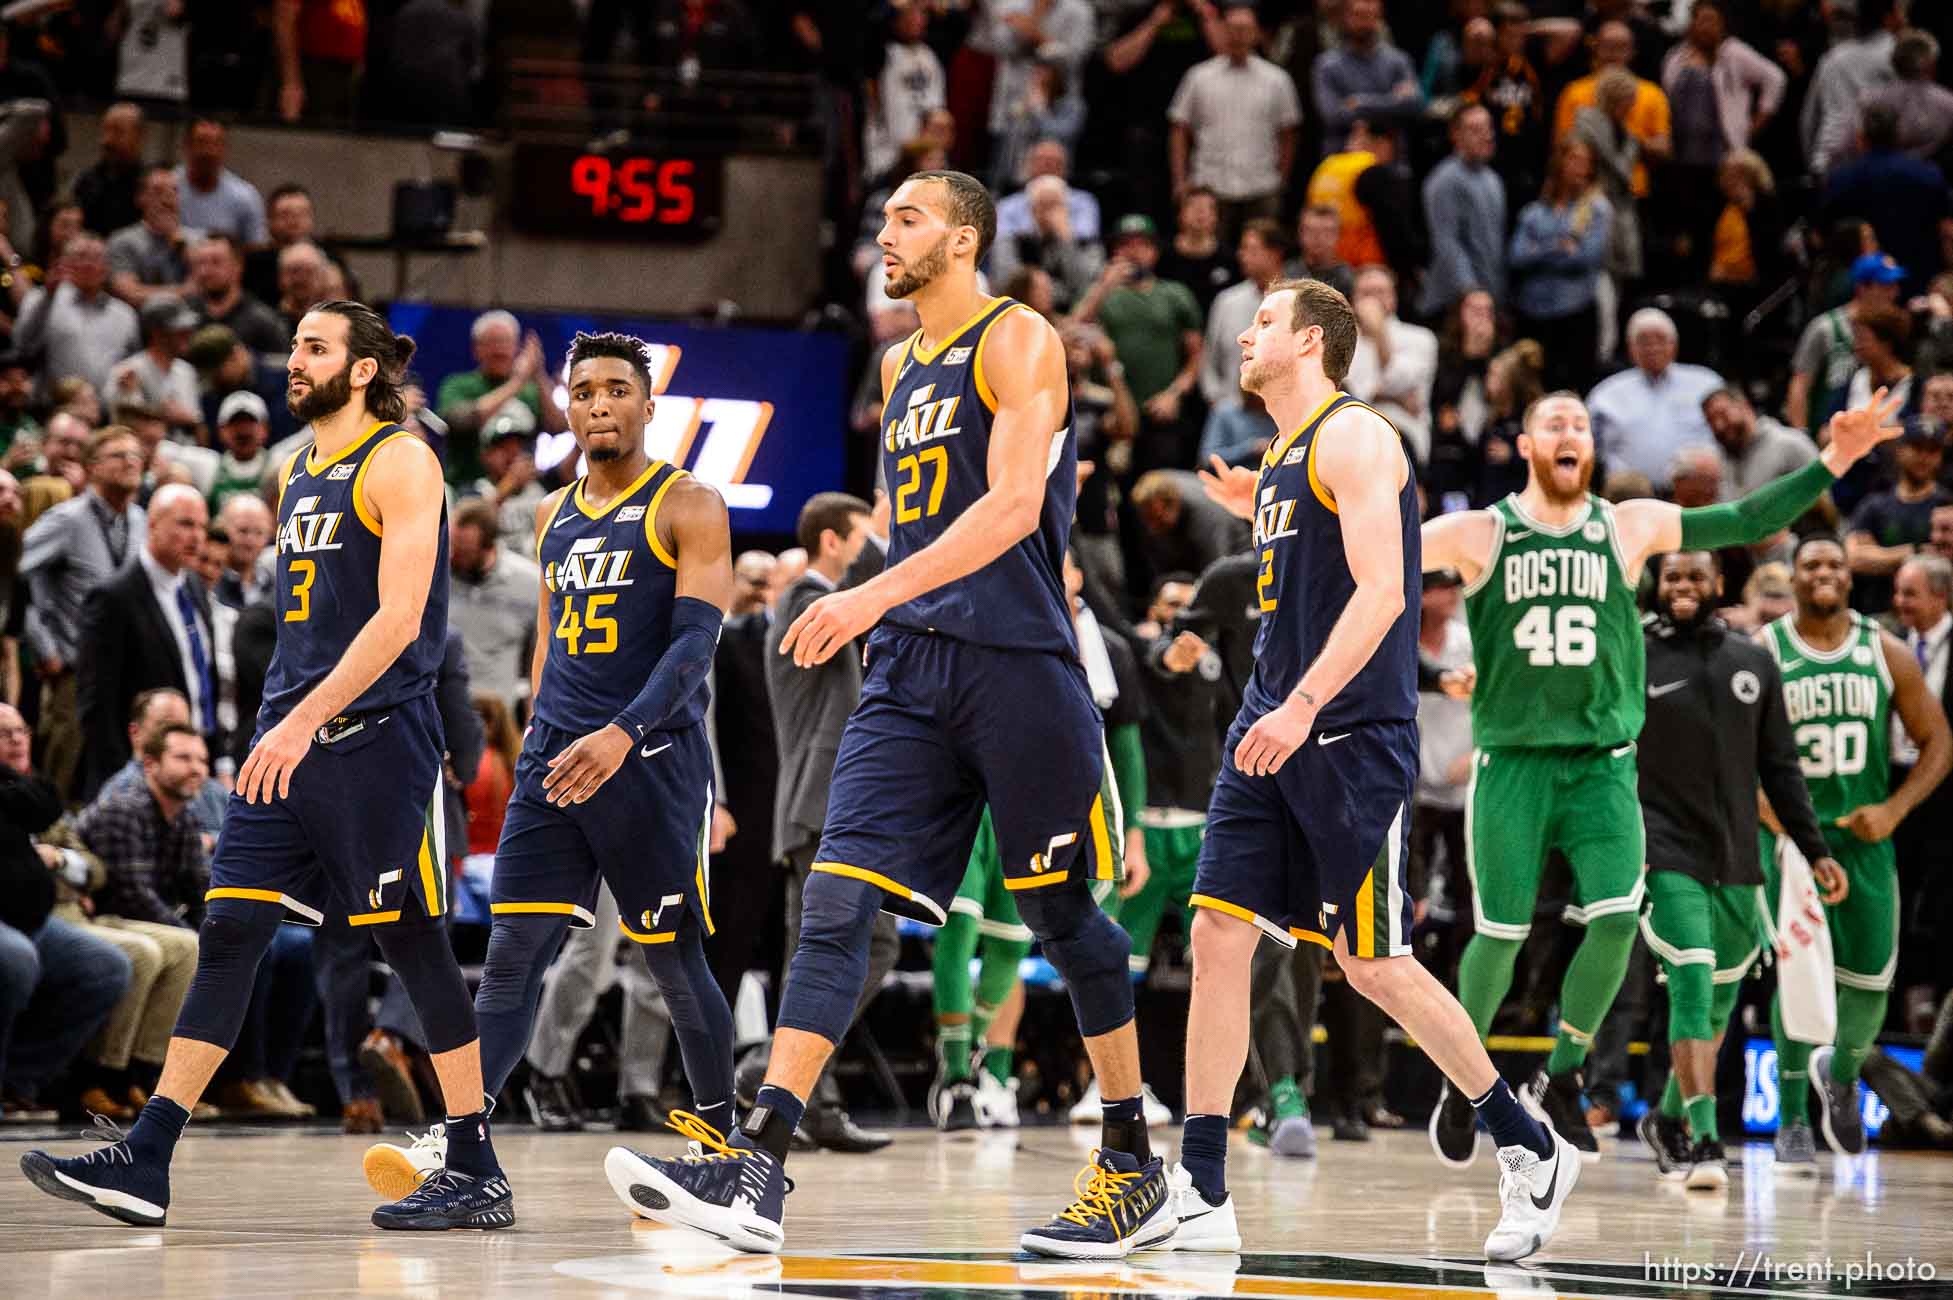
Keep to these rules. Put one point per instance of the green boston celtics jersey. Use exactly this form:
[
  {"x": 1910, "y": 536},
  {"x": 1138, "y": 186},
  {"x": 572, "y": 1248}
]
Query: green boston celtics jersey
[
  {"x": 1840, "y": 705},
  {"x": 1556, "y": 635}
]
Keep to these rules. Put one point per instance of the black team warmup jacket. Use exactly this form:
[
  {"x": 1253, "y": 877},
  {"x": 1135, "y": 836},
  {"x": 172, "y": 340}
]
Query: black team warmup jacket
[{"x": 1716, "y": 728}]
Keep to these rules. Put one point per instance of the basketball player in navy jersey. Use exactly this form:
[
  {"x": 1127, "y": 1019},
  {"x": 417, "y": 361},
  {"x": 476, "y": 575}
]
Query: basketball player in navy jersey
[
  {"x": 337, "y": 814},
  {"x": 972, "y": 693},
  {"x": 615, "y": 779},
  {"x": 1309, "y": 821}
]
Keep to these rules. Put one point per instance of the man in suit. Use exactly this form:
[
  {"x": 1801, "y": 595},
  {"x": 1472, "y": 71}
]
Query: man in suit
[
  {"x": 1922, "y": 591},
  {"x": 842, "y": 536},
  {"x": 69, "y": 550},
  {"x": 744, "y": 888},
  {"x": 147, "y": 626}
]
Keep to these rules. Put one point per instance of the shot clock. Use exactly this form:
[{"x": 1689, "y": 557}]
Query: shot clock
[{"x": 625, "y": 195}]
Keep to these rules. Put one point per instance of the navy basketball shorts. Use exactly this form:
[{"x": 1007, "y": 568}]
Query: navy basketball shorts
[
  {"x": 1321, "y": 845},
  {"x": 363, "y": 833},
  {"x": 944, "y": 726},
  {"x": 644, "y": 833}
]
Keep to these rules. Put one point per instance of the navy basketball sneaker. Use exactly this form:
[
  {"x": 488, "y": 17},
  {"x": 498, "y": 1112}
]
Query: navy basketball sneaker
[
  {"x": 1122, "y": 1206},
  {"x": 448, "y": 1198},
  {"x": 118, "y": 1181},
  {"x": 735, "y": 1193}
]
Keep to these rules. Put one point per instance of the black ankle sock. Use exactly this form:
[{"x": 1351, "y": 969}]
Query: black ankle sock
[
  {"x": 469, "y": 1149},
  {"x": 157, "y": 1128},
  {"x": 1123, "y": 1128},
  {"x": 769, "y": 1124}
]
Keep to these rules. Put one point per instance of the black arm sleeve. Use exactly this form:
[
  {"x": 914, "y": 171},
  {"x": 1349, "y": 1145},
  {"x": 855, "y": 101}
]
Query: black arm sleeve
[{"x": 1780, "y": 774}]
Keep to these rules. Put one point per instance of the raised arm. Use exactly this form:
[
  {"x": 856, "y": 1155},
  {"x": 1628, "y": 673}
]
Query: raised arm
[
  {"x": 1650, "y": 527},
  {"x": 1461, "y": 541},
  {"x": 406, "y": 496},
  {"x": 1030, "y": 413},
  {"x": 1364, "y": 467}
]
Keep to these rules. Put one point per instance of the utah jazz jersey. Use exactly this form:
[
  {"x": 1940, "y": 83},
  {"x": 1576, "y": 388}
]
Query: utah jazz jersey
[
  {"x": 328, "y": 581},
  {"x": 611, "y": 585},
  {"x": 1556, "y": 634},
  {"x": 1840, "y": 705},
  {"x": 1303, "y": 581},
  {"x": 936, "y": 461}
]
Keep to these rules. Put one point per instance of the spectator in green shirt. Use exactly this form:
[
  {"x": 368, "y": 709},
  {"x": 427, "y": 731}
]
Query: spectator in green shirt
[
  {"x": 510, "y": 383},
  {"x": 1155, "y": 328}
]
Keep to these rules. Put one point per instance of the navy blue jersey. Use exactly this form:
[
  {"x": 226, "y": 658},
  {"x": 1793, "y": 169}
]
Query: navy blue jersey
[
  {"x": 328, "y": 578},
  {"x": 936, "y": 461},
  {"x": 1304, "y": 582},
  {"x": 611, "y": 587}
]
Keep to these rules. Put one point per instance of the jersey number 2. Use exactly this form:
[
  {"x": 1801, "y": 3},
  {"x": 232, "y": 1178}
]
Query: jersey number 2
[
  {"x": 910, "y": 467},
  {"x": 1563, "y": 636},
  {"x": 574, "y": 630}
]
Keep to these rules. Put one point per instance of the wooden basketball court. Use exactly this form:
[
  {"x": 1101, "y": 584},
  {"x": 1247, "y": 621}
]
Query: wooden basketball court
[{"x": 284, "y": 1213}]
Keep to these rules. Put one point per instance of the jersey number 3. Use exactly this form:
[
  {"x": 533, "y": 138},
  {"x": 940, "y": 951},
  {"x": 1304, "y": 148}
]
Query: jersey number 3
[
  {"x": 304, "y": 574},
  {"x": 575, "y": 631},
  {"x": 1563, "y": 636}
]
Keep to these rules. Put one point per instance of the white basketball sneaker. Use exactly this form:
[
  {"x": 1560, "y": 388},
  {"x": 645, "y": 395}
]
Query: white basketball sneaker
[
  {"x": 996, "y": 1103},
  {"x": 1531, "y": 1192},
  {"x": 1203, "y": 1227},
  {"x": 395, "y": 1171}
]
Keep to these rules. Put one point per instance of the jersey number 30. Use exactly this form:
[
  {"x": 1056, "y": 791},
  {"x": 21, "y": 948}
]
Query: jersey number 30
[
  {"x": 1563, "y": 636},
  {"x": 576, "y": 630},
  {"x": 1828, "y": 749}
]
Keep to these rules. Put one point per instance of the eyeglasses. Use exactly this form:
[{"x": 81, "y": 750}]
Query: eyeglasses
[
  {"x": 14, "y": 733},
  {"x": 119, "y": 455}
]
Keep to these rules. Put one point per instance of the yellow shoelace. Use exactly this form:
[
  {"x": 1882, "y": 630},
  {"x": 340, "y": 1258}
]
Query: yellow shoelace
[
  {"x": 712, "y": 1142},
  {"x": 1098, "y": 1189}
]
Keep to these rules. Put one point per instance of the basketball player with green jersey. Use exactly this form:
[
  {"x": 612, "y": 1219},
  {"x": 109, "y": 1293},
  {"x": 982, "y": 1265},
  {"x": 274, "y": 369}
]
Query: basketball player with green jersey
[
  {"x": 1843, "y": 677},
  {"x": 1550, "y": 575}
]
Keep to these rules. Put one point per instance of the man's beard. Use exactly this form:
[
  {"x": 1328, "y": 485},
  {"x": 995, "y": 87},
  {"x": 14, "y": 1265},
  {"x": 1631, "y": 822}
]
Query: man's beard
[
  {"x": 1260, "y": 376},
  {"x": 1544, "y": 473},
  {"x": 933, "y": 263},
  {"x": 598, "y": 455},
  {"x": 321, "y": 400},
  {"x": 1704, "y": 609}
]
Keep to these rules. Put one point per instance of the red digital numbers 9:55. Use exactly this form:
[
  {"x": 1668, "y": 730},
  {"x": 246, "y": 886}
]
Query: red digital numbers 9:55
[{"x": 564, "y": 191}]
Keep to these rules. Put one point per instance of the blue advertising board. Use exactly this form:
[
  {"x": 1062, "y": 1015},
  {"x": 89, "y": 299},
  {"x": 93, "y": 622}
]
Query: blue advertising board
[
  {"x": 758, "y": 413},
  {"x": 1760, "y": 1090}
]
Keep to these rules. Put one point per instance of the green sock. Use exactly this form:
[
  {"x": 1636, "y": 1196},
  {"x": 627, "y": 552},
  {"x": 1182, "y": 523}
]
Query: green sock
[
  {"x": 953, "y": 1050},
  {"x": 1285, "y": 1099},
  {"x": 1861, "y": 1014},
  {"x": 1569, "y": 1052},
  {"x": 1793, "y": 1074},
  {"x": 1592, "y": 979},
  {"x": 956, "y": 944},
  {"x": 1484, "y": 976},
  {"x": 1702, "y": 1118},
  {"x": 1000, "y": 1061},
  {"x": 1671, "y": 1098}
]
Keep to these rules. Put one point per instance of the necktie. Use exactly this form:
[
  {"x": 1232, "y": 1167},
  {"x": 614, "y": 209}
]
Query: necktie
[
  {"x": 206, "y": 690},
  {"x": 1919, "y": 650}
]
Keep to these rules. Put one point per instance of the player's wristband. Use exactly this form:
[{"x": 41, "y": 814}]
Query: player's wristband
[
  {"x": 1769, "y": 509},
  {"x": 681, "y": 669}
]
